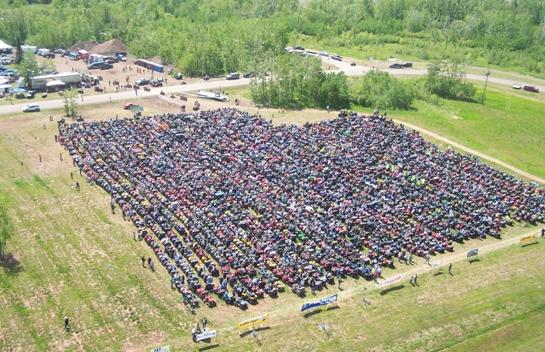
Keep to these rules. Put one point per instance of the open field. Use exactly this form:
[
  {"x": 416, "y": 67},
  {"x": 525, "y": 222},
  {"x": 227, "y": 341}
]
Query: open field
[{"x": 78, "y": 259}]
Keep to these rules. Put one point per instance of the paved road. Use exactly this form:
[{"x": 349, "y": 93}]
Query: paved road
[
  {"x": 343, "y": 66},
  {"x": 361, "y": 70},
  {"x": 129, "y": 95}
]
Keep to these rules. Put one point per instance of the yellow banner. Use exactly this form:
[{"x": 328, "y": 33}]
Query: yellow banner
[
  {"x": 526, "y": 240},
  {"x": 254, "y": 323}
]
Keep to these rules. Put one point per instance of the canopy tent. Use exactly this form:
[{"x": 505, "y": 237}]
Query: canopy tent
[
  {"x": 54, "y": 83},
  {"x": 4, "y": 47}
]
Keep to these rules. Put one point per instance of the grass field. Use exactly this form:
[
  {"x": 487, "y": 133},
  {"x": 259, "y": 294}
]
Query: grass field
[
  {"x": 77, "y": 259},
  {"x": 508, "y": 127},
  {"x": 409, "y": 47}
]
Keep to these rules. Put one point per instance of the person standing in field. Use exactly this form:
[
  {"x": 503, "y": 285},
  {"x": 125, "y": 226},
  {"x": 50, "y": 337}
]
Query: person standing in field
[{"x": 67, "y": 326}]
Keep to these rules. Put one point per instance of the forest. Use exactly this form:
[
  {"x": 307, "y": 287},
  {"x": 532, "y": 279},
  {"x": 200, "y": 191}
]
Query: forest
[{"x": 214, "y": 37}]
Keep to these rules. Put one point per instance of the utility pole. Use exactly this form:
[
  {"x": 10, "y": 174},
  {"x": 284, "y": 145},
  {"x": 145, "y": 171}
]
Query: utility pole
[{"x": 485, "y": 84}]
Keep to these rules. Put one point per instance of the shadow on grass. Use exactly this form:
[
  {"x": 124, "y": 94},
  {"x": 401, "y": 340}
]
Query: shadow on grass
[
  {"x": 439, "y": 273},
  {"x": 246, "y": 333},
  {"x": 530, "y": 244},
  {"x": 10, "y": 264},
  {"x": 392, "y": 289},
  {"x": 206, "y": 348},
  {"x": 316, "y": 311}
]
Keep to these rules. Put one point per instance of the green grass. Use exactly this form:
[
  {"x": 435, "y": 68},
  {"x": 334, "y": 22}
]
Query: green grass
[
  {"x": 508, "y": 127},
  {"x": 408, "y": 46},
  {"x": 79, "y": 260}
]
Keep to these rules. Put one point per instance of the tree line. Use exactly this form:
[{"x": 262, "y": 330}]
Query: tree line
[
  {"x": 297, "y": 82},
  {"x": 212, "y": 37}
]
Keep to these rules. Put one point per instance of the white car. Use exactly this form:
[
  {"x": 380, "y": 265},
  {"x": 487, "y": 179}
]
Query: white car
[
  {"x": 516, "y": 86},
  {"x": 31, "y": 108}
]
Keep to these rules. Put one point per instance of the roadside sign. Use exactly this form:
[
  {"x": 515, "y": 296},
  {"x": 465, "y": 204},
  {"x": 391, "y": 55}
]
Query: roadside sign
[{"x": 136, "y": 108}]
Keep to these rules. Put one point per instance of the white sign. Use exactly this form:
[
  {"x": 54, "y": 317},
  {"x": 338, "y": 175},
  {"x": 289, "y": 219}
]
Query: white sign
[
  {"x": 205, "y": 335},
  {"x": 391, "y": 280},
  {"x": 161, "y": 349}
]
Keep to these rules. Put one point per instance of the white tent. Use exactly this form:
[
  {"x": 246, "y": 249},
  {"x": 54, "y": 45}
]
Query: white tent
[
  {"x": 54, "y": 83},
  {"x": 4, "y": 46}
]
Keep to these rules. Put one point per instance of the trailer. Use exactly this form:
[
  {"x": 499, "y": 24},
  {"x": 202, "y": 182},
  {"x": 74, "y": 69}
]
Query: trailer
[
  {"x": 95, "y": 58},
  {"x": 214, "y": 96},
  {"x": 68, "y": 78},
  {"x": 29, "y": 49},
  {"x": 83, "y": 55},
  {"x": 150, "y": 65}
]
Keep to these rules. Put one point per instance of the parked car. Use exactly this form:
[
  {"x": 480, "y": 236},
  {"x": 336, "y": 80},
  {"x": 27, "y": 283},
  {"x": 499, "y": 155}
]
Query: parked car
[
  {"x": 95, "y": 65},
  {"x": 106, "y": 66},
  {"x": 337, "y": 57},
  {"x": 531, "y": 89},
  {"x": 156, "y": 83},
  {"x": 128, "y": 106},
  {"x": 516, "y": 86},
  {"x": 232, "y": 76},
  {"x": 353, "y": 63},
  {"x": 178, "y": 76},
  {"x": 248, "y": 75},
  {"x": 142, "y": 82},
  {"x": 396, "y": 65},
  {"x": 31, "y": 108},
  {"x": 407, "y": 64},
  {"x": 206, "y": 77}
]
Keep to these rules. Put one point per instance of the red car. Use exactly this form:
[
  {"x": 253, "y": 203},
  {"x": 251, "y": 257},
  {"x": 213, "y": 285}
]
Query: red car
[{"x": 128, "y": 106}]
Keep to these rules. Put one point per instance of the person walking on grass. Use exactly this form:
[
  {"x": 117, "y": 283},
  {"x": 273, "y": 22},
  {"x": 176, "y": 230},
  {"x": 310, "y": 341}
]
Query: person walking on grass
[
  {"x": 143, "y": 261},
  {"x": 67, "y": 326},
  {"x": 543, "y": 233},
  {"x": 77, "y": 186},
  {"x": 428, "y": 258}
]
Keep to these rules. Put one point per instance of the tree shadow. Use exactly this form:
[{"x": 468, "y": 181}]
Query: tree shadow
[{"x": 11, "y": 265}]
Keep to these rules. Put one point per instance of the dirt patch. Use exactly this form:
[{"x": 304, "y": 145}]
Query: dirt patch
[
  {"x": 110, "y": 47},
  {"x": 85, "y": 45},
  {"x": 152, "y": 339}
]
